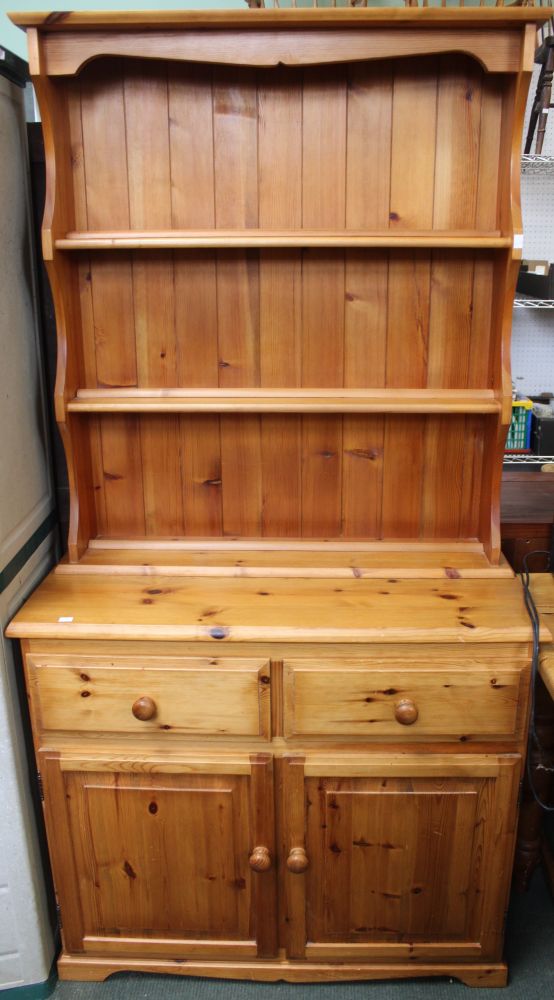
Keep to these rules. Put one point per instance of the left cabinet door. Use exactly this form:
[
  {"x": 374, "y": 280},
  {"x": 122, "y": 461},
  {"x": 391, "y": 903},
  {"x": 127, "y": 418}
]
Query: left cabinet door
[{"x": 171, "y": 857}]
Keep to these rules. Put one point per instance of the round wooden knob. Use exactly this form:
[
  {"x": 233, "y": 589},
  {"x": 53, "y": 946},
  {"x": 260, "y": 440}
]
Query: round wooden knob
[
  {"x": 144, "y": 709},
  {"x": 297, "y": 861},
  {"x": 260, "y": 859},
  {"x": 405, "y": 712}
]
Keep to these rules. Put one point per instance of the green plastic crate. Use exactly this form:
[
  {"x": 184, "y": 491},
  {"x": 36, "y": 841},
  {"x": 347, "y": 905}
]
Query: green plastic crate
[{"x": 519, "y": 434}]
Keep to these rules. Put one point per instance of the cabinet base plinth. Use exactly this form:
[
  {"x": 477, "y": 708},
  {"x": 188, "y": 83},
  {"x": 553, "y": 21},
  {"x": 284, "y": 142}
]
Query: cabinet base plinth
[{"x": 97, "y": 969}]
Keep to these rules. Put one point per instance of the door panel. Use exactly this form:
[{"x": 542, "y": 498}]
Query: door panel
[
  {"x": 162, "y": 859},
  {"x": 144, "y": 845},
  {"x": 411, "y": 861}
]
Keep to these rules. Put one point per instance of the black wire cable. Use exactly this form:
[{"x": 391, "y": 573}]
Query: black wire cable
[{"x": 534, "y": 742}]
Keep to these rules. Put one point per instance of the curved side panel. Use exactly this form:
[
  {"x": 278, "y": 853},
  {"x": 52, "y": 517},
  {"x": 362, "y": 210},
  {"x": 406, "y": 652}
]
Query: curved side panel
[
  {"x": 506, "y": 272},
  {"x": 66, "y": 53},
  {"x": 58, "y": 215}
]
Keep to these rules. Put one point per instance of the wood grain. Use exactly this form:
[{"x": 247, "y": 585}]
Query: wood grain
[
  {"x": 196, "y": 697},
  {"x": 65, "y": 54},
  {"x": 274, "y": 558},
  {"x": 483, "y": 974},
  {"x": 244, "y": 468},
  {"x": 263, "y": 239},
  {"x": 114, "y": 20},
  {"x": 126, "y": 826},
  {"x": 358, "y": 700},
  {"x": 113, "y": 607}
]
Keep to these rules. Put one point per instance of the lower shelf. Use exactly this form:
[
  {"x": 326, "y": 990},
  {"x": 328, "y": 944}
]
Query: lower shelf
[
  {"x": 265, "y": 400},
  {"x": 287, "y": 558}
]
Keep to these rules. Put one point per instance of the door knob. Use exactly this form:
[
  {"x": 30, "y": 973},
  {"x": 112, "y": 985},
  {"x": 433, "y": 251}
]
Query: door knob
[
  {"x": 297, "y": 861},
  {"x": 260, "y": 859},
  {"x": 144, "y": 709},
  {"x": 406, "y": 712}
]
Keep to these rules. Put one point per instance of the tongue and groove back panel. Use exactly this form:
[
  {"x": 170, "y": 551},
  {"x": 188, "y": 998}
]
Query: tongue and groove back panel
[
  {"x": 313, "y": 476},
  {"x": 176, "y": 146},
  {"x": 399, "y": 145}
]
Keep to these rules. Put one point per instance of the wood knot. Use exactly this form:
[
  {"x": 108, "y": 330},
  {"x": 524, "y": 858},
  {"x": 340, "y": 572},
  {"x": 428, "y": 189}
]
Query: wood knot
[{"x": 219, "y": 632}]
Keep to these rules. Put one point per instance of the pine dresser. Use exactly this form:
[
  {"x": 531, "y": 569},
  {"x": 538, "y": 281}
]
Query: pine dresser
[{"x": 279, "y": 684}]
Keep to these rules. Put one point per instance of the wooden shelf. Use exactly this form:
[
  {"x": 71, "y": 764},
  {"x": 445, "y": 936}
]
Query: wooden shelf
[
  {"x": 284, "y": 401},
  {"x": 265, "y": 239},
  {"x": 285, "y": 558}
]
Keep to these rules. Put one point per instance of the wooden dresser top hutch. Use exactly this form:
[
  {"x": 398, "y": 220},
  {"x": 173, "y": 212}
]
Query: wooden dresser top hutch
[{"x": 282, "y": 247}]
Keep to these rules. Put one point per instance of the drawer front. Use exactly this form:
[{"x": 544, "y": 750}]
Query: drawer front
[
  {"x": 450, "y": 702},
  {"x": 197, "y": 696}
]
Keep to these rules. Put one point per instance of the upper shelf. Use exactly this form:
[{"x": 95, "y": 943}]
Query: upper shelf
[
  {"x": 134, "y": 400},
  {"x": 257, "y": 238}
]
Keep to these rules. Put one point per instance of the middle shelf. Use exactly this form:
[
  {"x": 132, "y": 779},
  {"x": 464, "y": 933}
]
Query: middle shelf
[
  {"x": 295, "y": 400},
  {"x": 298, "y": 238}
]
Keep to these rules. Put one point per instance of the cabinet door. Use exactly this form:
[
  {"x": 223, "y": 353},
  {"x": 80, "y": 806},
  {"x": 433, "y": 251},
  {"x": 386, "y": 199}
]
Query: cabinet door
[
  {"x": 397, "y": 857},
  {"x": 163, "y": 858}
]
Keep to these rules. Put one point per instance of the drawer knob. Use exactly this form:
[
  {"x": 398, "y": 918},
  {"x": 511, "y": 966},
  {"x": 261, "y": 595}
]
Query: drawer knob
[
  {"x": 405, "y": 712},
  {"x": 297, "y": 861},
  {"x": 260, "y": 859},
  {"x": 144, "y": 709}
]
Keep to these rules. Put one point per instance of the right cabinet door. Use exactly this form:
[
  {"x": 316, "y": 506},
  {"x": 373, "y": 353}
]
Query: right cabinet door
[{"x": 397, "y": 857}]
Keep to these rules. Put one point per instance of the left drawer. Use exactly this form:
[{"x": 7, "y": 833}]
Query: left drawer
[{"x": 196, "y": 696}]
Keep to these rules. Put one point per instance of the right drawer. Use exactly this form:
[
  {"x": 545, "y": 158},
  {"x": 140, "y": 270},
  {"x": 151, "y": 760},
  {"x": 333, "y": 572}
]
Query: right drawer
[{"x": 350, "y": 699}]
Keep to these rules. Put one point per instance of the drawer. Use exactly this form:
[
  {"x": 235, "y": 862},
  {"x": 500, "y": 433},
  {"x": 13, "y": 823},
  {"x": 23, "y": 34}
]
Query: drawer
[
  {"x": 448, "y": 702},
  {"x": 196, "y": 696}
]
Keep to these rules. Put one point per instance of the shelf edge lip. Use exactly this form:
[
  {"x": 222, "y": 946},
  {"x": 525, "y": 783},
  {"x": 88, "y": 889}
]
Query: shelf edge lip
[
  {"x": 273, "y": 633},
  {"x": 280, "y": 572},
  {"x": 456, "y": 401},
  {"x": 256, "y": 239},
  {"x": 296, "y": 408},
  {"x": 279, "y": 544},
  {"x": 301, "y": 392}
]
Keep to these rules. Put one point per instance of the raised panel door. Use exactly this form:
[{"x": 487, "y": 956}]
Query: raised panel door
[
  {"x": 163, "y": 858},
  {"x": 398, "y": 857}
]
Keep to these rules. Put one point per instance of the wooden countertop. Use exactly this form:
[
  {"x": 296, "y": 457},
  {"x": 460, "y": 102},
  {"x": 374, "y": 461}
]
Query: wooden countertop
[{"x": 266, "y": 609}]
